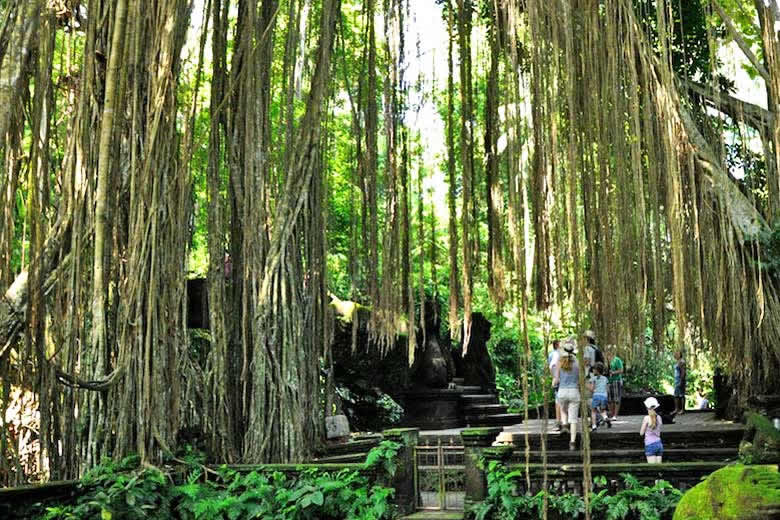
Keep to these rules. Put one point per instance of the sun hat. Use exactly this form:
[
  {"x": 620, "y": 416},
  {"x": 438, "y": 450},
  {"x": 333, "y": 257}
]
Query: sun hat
[
  {"x": 569, "y": 345},
  {"x": 503, "y": 439},
  {"x": 651, "y": 403},
  {"x": 589, "y": 334}
]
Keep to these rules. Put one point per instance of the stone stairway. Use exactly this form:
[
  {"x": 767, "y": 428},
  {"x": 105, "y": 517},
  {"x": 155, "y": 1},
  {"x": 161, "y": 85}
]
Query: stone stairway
[
  {"x": 619, "y": 456},
  {"x": 353, "y": 451},
  {"x": 435, "y": 515},
  {"x": 483, "y": 409}
]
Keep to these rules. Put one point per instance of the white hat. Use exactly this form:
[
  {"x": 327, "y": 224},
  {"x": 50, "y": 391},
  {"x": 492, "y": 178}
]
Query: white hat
[
  {"x": 589, "y": 334},
  {"x": 651, "y": 403},
  {"x": 503, "y": 439}
]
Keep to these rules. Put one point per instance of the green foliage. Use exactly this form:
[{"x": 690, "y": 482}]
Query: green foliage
[
  {"x": 507, "y": 350},
  {"x": 731, "y": 493},
  {"x": 633, "y": 501},
  {"x": 369, "y": 409},
  {"x": 651, "y": 372},
  {"x": 122, "y": 490},
  {"x": 128, "y": 491},
  {"x": 383, "y": 457},
  {"x": 769, "y": 246}
]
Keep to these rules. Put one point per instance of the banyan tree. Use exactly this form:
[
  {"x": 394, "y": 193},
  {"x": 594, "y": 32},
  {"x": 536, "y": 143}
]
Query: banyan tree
[{"x": 589, "y": 162}]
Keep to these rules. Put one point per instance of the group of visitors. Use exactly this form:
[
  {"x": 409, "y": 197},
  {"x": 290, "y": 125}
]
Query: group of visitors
[{"x": 603, "y": 389}]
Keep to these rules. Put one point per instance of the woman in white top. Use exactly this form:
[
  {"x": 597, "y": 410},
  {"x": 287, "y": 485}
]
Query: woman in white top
[{"x": 566, "y": 376}]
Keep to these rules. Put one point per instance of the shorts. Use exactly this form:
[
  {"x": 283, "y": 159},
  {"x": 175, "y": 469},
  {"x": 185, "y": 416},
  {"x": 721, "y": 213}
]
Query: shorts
[
  {"x": 655, "y": 449},
  {"x": 599, "y": 401},
  {"x": 615, "y": 391},
  {"x": 679, "y": 390},
  {"x": 570, "y": 401}
]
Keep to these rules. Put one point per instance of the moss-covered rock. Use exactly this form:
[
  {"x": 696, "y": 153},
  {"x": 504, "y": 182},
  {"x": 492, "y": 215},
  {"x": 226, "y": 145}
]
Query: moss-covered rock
[
  {"x": 761, "y": 444},
  {"x": 735, "y": 492}
]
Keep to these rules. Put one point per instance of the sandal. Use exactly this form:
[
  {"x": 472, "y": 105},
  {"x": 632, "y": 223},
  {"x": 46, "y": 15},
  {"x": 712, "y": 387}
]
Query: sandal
[{"x": 572, "y": 446}]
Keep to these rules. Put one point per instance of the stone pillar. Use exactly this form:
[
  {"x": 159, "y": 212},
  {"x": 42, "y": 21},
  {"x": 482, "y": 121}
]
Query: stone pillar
[
  {"x": 403, "y": 480},
  {"x": 475, "y": 441}
]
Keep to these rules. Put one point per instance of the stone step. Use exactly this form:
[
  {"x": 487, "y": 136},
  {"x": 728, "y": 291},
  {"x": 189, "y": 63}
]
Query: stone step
[
  {"x": 499, "y": 419},
  {"x": 458, "y": 380},
  {"x": 471, "y": 399},
  {"x": 470, "y": 389},
  {"x": 356, "y": 446},
  {"x": 345, "y": 458},
  {"x": 606, "y": 439},
  {"x": 435, "y": 515},
  {"x": 484, "y": 409},
  {"x": 629, "y": 455}
]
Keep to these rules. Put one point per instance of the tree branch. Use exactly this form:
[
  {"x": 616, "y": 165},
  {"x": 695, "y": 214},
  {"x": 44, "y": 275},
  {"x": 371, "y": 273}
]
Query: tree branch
[
  {"x": 754, "y": 115},
  {"x": 741, "y": 41}
]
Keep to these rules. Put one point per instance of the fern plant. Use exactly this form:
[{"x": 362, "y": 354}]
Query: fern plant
[
  {"x": 634, "y": 502},
  {"x": 127, "y": 491}
]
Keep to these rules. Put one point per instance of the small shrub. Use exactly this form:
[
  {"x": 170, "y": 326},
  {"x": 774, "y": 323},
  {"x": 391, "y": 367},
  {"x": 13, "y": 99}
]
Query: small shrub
[
  {"x": 127, "y": 491},
  {"x": 634, "y": 502}
]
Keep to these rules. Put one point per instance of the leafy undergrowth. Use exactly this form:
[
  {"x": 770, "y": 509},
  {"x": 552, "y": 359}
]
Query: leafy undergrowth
[
  {"x": 128, "y": 491},
  {"x": 633, "y": 502}
]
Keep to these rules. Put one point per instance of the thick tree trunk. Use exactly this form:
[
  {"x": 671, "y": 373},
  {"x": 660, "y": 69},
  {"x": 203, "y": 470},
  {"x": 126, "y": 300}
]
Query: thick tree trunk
[
  {"x": 12, "y": 69},
  {"x": 467, "y": 162},
  {"x": 454, "y": 281},
  {"x": 371, "y": 115}
]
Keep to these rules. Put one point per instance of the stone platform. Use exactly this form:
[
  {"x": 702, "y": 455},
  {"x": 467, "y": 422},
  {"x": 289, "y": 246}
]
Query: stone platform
[{"x": 691, "y": 431}]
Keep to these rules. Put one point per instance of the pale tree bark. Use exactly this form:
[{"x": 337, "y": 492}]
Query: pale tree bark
[
  {"x": 494, "y": 192},
  {"x": 12, "y": 69},
  {"x": 454, "y": 281},
  {"x": 371, "y": 116},
  {"x": 467, "y": 161},
  {"x": 769, "y": 20},
  {"x": 288, "y": 331},
  {"x": 101, "y": 245}
]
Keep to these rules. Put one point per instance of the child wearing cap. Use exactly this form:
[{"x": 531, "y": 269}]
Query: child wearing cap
[
  {"x": 651, "y": 429},
  {"x": 598, "y": 386}
]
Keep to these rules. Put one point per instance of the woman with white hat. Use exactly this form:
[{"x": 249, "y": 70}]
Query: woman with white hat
[
  {"x": 566, "y": 376},
  {"x": 651, "y": 429}
]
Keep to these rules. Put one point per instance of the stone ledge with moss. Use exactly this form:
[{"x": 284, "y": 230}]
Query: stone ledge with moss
[
  {"x": 735, "y": 492},
  {"x": 761, "y": 443}
]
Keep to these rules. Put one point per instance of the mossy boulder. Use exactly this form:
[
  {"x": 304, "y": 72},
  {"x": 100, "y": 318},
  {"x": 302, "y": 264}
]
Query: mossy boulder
[
  {"x": 734, "y": 492},
  {"x": 761, "y": 444}
]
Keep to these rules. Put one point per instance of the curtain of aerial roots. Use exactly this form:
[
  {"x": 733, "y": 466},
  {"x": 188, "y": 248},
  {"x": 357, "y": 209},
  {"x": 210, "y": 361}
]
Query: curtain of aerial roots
[
  {"x": 289, "y": 331},
  {"x": 662, "y": 219},
  {"x": 121, "y": 394},
  {"x": 393, "y": 310},
  {"x": 150, "y": 330}
]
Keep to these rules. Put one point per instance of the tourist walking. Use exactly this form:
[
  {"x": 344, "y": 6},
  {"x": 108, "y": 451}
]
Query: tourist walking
[
  {"x": 615, "y": 394},
  {"x": 566, "y": 376},
  {"x": 552, "y": 362},
  {"x": 651, "y": 429},
  {"x": 599, "y": 404},
  {"x": 680, "y": 374},
  {"x": 589, "y": 357}
]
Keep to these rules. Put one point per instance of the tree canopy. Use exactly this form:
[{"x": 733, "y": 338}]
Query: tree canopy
[{"x": 597, "y": 168}]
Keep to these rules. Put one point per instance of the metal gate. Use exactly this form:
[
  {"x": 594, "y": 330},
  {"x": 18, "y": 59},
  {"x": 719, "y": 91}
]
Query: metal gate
[{"x": 439, "y": 477}]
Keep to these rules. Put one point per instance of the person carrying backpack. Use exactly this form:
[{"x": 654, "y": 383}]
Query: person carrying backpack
[{"x": 593, "y": 353}]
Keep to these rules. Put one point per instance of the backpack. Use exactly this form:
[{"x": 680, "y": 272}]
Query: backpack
[{"x": 599, "y": 357}]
